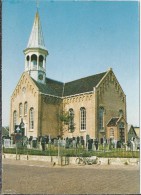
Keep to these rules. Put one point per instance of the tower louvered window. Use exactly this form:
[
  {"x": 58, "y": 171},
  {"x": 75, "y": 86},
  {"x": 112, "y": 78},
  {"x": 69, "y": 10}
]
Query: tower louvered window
[{"x": 82, "y": 118}]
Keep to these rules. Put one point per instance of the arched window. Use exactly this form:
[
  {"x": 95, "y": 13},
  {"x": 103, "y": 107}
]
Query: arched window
[
  {"x": 121, "y": 131},
  {"x": 14, "y": 119},
  {"x": 34, "y": 59},
  {"x": 25, "y": 108},
  {"x": 20, "y": 109},
  {"x": 121, "y": 125},
  {"x": 31, "y": 118},
  {"x": 71, "y": 119},
  {"x": 82, "y": 118},
  {"x": 27, "y": 60},
  {"x": 101, "y": 118},
  {"x": 120, "y": 113},
  {"x": 111, "y": 133},
  {"x": 41, "y": 58}
]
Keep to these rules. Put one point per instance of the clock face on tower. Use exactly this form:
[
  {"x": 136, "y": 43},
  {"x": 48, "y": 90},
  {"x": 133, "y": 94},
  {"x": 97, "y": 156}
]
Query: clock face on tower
[{"x": 40, "y": 77}]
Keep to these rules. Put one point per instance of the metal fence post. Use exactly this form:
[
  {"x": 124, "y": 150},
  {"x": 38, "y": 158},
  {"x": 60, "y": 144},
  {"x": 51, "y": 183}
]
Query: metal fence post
[
  {"x": 58, "y": 150},
  {"x": 16, "y": 151}
]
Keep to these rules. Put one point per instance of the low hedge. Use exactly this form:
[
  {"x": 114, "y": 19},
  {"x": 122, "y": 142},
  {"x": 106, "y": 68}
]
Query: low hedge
[{"x": 73, "y": 152}]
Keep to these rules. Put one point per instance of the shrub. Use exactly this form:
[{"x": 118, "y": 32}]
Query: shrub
[{"x": 115, "y": 153}]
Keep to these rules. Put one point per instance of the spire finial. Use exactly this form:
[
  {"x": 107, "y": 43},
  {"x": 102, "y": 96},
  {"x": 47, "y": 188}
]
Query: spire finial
[
  {"x": 36, "y": 39},
  {"x": 37, "y": 4}
]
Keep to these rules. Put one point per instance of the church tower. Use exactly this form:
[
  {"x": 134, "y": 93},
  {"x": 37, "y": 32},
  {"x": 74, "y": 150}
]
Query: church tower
[{"x": 36, "y": 53}]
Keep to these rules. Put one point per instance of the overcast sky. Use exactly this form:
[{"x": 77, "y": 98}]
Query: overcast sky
[{"x": 82, "y": 37}]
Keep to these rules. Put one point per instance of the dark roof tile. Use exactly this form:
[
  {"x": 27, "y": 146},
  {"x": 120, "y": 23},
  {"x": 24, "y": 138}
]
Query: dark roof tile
[
  {"x": 51, "y": 87},
  {"x": 60, "y": 89},
  {"x": 113, "y": 121},
  {"x": 82, "y": 85}
]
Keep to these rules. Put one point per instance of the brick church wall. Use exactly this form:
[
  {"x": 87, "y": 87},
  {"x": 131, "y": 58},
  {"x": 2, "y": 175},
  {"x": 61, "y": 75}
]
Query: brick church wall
[
  {"x": 31, "y": 97},
  {"x": 76, "y": 102},
  {"x": 50, "y": 108},
  {"x": 111, "y": 97}
]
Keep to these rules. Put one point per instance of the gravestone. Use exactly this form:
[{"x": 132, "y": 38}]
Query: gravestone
[{"x": 7, "y": 143}]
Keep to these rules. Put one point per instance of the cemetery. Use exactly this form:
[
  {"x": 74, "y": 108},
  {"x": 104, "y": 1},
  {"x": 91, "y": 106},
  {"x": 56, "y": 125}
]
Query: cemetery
[{"x": 69, "y": 147}]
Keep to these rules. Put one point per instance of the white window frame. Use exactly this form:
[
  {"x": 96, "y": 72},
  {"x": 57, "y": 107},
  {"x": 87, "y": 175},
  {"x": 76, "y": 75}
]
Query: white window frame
[
  {"x": 101, "y": 118},
  {"x": 20, "y": 109},
  {"x": 112, "y": 133},
  {"x": 31, "y": 119},
  {"x": 82, "y": 119},
  {"x": 25, "y": 108},
  {"x": 14, "y": 119}
]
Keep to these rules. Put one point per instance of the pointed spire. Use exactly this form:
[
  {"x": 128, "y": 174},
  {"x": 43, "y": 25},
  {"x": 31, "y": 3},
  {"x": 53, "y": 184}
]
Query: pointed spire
[{"x": 36, "y": 39}]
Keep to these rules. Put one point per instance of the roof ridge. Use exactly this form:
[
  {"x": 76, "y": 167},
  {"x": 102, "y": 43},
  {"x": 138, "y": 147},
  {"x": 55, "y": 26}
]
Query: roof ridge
[
  {"x": 76, "y": 79},
  {"x": 86, "y": 77},
  {"x": 79, "y": 86},
  {"x": 55, "y": 80}
]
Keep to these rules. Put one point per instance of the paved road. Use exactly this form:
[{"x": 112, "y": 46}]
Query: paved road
[{"x": 42, "y": 178}]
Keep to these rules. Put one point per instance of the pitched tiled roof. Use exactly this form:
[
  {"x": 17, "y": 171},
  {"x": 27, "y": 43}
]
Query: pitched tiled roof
[
  {"x": 82, "y": 85},
  {"x": 60, "y": 89},
  {"x": 113, "y": 121},
  {"x": 51, "y": 87}
]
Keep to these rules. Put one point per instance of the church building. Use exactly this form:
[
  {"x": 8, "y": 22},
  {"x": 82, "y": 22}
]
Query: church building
[{"x": 96, "y": 105}]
